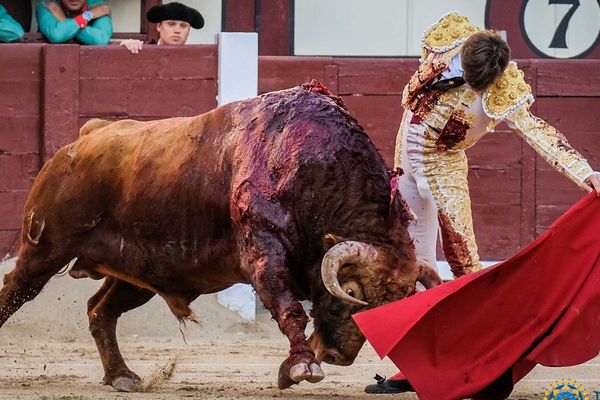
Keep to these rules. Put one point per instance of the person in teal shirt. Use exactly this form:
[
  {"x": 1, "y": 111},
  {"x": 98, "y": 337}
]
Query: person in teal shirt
[
  {"x": 87, "y": 22},
  {"x": 10, "y": 30}
]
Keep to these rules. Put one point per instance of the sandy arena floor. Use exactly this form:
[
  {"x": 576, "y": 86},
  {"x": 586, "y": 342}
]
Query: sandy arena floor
[{"x": 46, "y": 353}]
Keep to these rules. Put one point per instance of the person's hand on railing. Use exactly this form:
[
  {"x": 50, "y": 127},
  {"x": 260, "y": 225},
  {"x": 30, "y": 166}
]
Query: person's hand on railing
[{"x": 133, "y": 45}]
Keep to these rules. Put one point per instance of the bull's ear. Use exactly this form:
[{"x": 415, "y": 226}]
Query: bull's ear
[{"x": 331, "y": 240}]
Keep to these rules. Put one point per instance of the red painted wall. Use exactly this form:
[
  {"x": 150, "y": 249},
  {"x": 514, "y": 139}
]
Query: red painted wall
[
  {"x": 21, "y": 113},
  {"x": 51, "y": 90}
]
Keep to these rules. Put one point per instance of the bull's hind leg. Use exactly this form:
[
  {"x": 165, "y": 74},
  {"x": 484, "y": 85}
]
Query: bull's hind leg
[
  {"x": 33, "y": 270},
  {"x": 114, "y": 298}
]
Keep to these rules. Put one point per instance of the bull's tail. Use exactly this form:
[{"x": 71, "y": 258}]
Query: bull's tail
[{"x": 33, "y": 270}]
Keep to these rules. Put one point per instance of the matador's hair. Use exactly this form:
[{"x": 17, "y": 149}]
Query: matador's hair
[{"x": 485, "y": 56}]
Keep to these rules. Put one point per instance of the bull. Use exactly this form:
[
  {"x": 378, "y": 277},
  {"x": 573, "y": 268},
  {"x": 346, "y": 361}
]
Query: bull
[{"x": 284, "y": 191}]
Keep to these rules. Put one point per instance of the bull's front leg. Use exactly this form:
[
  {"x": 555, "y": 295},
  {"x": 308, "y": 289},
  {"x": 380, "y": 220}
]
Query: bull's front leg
[
  {"x": 267, "y": 269},
  {"x": 262, "y": 223}
]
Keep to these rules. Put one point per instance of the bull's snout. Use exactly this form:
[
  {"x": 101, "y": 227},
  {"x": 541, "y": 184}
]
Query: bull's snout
[
  {"x": 332, "y": 356},
  {"x": 328, "y": 355}
]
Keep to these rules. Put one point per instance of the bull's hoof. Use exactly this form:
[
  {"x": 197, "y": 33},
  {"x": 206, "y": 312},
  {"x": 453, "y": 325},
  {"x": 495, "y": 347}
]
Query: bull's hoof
[
  {"x": 126, "y": 384},
  {"x": 302, "y": 371},
  {"x": 283, "y": 378},
  {"x": 297, "y": 373},
  {"x": 316, "y": 373}
]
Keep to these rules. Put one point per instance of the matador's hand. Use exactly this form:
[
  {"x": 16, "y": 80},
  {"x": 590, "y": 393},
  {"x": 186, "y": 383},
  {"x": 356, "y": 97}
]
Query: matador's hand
[{"x": 593, "y": 183}]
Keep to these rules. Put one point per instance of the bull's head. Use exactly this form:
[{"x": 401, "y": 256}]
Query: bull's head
[{"x": 358, "y": 276}]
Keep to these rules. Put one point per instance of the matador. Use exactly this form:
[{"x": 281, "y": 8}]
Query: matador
[
  {"x": 445, "y": 115},
  {"x": 465, "y": 85}
]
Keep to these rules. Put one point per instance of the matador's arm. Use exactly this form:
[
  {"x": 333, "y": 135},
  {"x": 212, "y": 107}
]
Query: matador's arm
[
  {"x": 509, "y": 99},
  {"x": 551, "y": 145}
]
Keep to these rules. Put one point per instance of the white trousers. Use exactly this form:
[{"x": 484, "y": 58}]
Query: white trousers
[{"x": 434, "y": 185}]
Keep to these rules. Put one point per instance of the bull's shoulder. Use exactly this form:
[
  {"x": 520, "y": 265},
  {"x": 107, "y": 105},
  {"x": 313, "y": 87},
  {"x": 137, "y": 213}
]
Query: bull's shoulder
[{"x": 96, "y": 124}]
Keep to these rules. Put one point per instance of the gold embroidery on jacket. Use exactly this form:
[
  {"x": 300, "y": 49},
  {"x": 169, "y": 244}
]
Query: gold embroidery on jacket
[
  {"x": 441, "y": 42},
  {"x": 399, "y": 138},
  {"x": 450, "y": 31},
  {"x": 507, "y": 93},
  {"x": 469, "y": 97},
  {"x": 551, "y": 145},
  {"x": 436, "y": 110}
]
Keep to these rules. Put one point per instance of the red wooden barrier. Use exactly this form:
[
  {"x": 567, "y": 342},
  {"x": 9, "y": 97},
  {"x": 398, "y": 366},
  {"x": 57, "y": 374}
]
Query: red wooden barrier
[
  {"x": 20, "y": 123},
  {"x": 51, "y": 90}
]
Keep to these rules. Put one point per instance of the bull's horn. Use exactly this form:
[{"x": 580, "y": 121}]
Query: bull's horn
[
  {"x": 428, "y": 276},
  {"x": 340, "y": 254}
]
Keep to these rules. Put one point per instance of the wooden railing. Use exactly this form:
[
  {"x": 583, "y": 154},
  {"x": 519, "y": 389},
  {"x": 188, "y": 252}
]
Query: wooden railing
[{"x": 49, "y": 91}]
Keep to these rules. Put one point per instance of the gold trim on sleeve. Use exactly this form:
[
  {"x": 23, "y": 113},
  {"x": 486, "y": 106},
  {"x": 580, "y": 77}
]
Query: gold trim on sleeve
[{"x": 551, "y": 145}]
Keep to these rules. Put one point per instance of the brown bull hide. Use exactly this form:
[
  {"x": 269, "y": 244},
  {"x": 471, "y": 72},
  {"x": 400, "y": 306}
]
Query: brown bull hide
[{"x": 245, "y": 193}]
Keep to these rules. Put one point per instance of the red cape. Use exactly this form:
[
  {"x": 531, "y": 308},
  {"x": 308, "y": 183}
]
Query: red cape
[{"x": 542, "y": 306}]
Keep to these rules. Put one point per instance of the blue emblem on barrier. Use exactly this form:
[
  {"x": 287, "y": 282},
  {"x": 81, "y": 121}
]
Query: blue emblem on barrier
[{"x": 566, "y": 389}]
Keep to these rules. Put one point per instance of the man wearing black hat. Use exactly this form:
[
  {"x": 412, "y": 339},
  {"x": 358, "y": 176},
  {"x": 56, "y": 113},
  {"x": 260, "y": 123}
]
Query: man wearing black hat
[{"x": 173, "y": 20}]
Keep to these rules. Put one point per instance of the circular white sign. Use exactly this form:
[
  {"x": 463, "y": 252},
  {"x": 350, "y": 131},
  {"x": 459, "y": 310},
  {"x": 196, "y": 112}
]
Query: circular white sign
[{"x": 561, "y": 28}]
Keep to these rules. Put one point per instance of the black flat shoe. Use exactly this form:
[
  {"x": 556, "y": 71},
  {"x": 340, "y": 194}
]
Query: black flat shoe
[{"x": 386, "y": 386}]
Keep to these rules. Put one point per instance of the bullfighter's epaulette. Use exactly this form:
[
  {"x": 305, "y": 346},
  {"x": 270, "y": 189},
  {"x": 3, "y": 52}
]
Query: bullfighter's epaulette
[
  {"x": 448, "y": 33},
  {"x": 507, "y": 93}
]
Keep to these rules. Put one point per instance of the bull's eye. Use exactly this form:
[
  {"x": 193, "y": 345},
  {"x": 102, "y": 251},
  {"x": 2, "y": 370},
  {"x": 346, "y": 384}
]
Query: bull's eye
[{"x": 353, "y": 289}]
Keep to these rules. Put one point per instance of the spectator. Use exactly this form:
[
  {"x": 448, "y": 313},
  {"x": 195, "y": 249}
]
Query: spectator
[
  {"x": 87, "y": 22},
  {"x": 174, "y": 22},
  {"x": 10, "y": 30}
]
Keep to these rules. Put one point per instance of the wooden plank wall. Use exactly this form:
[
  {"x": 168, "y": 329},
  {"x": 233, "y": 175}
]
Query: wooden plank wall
[
  {"x": 20, "y": 127},
  {"x": 49, "y": 91},
  {"x": 516, "y": 195},
  {"x": 569, "y": 99},
  {"x": 156, "y": 83}
]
